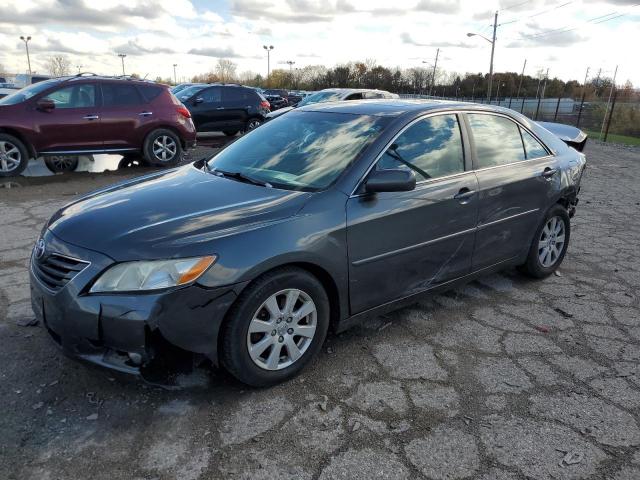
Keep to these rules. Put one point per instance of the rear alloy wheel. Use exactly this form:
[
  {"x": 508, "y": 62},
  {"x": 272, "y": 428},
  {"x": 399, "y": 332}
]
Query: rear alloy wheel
[
  {"x": 162, "y": 148},
  {"x": 275, "y": 328},
  {"x": 252, "y": 124},
  {"x": 13, "y": 156},
  {"x": 549, "y": 244},
  {"x": 61, "y": 163}
]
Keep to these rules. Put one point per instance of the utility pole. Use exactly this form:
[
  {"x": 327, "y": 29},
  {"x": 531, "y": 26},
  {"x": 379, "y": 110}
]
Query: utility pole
[
  {"x": 268, "y": 49},
  {"x": 584, "y": 84},
  {"x": 493, "y": 47},
  {"x": 521, "y": 78},
  {"x": 122, "y": 55},
  {"x": 433, "y": 74},
  {"x": 26, "y": 45},
  {"x": 175, "y": 77},
  {"x": 613, "y": 85},
  {"x": 291, "y": 63}
]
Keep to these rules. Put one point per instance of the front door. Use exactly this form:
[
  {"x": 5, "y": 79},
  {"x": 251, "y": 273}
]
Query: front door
[
  {"x": 515, "y": 178},
  {"x": 207, "y": 110},
  {"x": 401, "y": 243},
  {"x": 74, "y": 123}
]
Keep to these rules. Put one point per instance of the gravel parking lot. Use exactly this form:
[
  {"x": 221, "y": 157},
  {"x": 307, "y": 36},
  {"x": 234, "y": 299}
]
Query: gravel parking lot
[{"x": 506, "y": 378}]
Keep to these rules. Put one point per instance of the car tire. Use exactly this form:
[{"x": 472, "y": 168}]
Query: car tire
[
  {"x": 252, "y": 124},
  {"x": 549, "y": 244},
  {"x": 261, "y": 321},
  {"x": 162, "y": 148},
  {"x": 14, "y": 156},
  {"x": 61, "y": 163},
  {"x": 230, "y": 133}
]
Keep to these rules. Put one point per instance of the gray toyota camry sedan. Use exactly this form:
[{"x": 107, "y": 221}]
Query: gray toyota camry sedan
[{"x": 317, "y": 220}]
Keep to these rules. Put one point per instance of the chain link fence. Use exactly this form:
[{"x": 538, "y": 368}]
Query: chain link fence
[{"x": 612, "y": 119}]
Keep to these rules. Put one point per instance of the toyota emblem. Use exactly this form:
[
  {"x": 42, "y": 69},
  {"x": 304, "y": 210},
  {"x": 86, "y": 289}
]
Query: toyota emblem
[{"x": 39, "y": 248}]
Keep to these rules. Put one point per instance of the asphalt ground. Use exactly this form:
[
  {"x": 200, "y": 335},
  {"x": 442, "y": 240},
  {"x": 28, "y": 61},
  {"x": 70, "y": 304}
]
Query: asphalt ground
[{"x": 504, "y": 378}]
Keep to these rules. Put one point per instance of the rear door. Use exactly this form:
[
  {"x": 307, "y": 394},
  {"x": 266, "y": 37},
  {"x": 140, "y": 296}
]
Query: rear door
[
  {"x": 515, "y": 185},
  {"x": 207, "y": 110},
  {"x": 236, "y": 106},
  {"x": 125, "y": 114},
  {"x": 401, "y": 243},
  {"x": 74, "y": 123}
]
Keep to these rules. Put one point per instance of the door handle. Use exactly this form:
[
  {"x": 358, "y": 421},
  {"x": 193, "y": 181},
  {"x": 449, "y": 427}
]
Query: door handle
[
  {"x": 464, "y": 195},
  {"x": 145, "y": 114},
  {"x": 549, "y": 172},
  {"x": 220, "y": 108},
  {"x": 91, "y": 117}
]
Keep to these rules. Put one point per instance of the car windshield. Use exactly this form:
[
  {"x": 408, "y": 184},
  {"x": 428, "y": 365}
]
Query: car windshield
[
  {"x": 320, "y": 97},
  {"x": 189, "y": 92},
  {"x": 27, "y": 92},
  {"x": 301, "y": 150}
]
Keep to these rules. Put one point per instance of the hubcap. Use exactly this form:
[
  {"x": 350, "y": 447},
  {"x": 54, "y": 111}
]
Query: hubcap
[
  {"x": 164, "y": 148},
  {"x": 62, "y": 162},
  {"x": 282, "y": 329},
  {"x": 551, "y": 242},
  {"x": 253, "y": 124},
  {"x": 9, "y": 156}
]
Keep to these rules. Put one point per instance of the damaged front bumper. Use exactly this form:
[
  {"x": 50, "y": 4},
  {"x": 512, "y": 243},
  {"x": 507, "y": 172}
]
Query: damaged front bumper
[{"x": 125, "y": 332}]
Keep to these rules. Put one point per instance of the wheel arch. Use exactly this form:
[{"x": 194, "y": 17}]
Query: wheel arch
[
  {"x": 171, "y": 128},
  {"x": 15, "y": 133}
]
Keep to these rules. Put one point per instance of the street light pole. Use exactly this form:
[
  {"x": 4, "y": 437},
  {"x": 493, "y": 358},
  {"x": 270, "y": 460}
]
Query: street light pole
[
  {"x": 122, "y": 55},
  {"x": 268, "y": 49},
  {"x": 493, "y": 47},
  {"x": 26, "y": 45},
  {"x": 175, "y": 77},
  {"x": 79, "y": 67}
]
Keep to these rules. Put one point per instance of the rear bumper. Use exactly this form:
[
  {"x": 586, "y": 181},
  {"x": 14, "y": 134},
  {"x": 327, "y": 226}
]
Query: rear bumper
[{"x": 126, "y": 332}]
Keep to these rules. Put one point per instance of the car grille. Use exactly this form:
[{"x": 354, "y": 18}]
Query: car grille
[{"x": 55, "y": 271}]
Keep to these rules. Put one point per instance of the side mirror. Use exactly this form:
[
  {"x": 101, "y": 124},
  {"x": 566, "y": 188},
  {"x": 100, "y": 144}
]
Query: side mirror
[
  {"x": 198, "y": 100},
  {"x": 46, "y": 104},
  {"x": 391, "y": 180}
]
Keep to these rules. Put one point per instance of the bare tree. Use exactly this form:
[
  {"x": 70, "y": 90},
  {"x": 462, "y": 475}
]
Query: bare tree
[
  {"x": 226, "y": 70},
  {"x": 59, "y": 65},
  {"x": 2, "y": 69}
]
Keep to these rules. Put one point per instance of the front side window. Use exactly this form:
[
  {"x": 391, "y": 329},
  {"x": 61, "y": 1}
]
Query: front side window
[
  {"x": 300, "y": 150},
  {"x": 120, "y": 94},
  {"x": 76, "y": 96},
  {"x": 27, "y": 92},
  {"x": 532, "y": 147},
  {"x": 432, "y": 148},
  {"x": 497, "y": 140}
]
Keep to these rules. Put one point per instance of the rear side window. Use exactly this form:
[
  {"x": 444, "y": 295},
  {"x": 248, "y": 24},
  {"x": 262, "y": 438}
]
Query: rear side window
[
  {"x": 532, "y": 147},
  {"x": 211, "y": 95},
  {"x": 76, "y": 96},
  {"x": 235, "y": 94},
  {"x": 150, "y": 92},
  {"x": 497, "y": 140},
  {"x": 431, "y": 147},
  {"x": 354, "y": 96},
  {"x": 120, "y": 94}
]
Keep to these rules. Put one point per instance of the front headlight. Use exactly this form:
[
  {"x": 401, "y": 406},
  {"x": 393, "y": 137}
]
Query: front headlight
[{"x": 152, "y": 275}]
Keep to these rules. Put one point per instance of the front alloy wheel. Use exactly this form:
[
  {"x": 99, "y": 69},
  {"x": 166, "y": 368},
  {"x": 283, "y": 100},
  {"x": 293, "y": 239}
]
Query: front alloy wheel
[
  {"x": 10, "y": 157},
  {"x": 282, "y": 329},
  {"x": 275, "y": 327}
]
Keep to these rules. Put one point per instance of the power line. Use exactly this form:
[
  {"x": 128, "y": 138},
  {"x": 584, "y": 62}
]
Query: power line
[
  {"x": 567, "y": 28},
  {"x": 516, "y": 5}
]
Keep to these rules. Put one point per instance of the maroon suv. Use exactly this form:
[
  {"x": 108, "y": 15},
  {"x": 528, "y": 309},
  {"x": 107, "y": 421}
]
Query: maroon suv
[{"x": 92, "y": 114}]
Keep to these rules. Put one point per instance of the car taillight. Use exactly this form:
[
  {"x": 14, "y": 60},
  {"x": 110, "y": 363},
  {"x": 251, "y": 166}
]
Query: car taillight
[
  {"x": 184, "y": 112},
  {"x": 265, "y": 104}
]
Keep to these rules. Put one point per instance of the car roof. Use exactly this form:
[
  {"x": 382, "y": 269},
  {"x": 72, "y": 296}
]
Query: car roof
[{"x": 397, "y": 107}]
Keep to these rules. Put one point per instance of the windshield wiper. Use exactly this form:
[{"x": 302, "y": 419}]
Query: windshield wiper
[
  {"x": 393, "y": 153},
  {"x": 238, "y": 176}
]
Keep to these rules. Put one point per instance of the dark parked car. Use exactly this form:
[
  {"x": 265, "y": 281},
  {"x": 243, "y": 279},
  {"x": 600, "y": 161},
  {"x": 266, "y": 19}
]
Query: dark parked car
[
  {"x": 92, "y": 114},
  {"x": 318, "y": 219},
  {"x": 225, "y": 108},
  {"x": 291, "y": 98}
]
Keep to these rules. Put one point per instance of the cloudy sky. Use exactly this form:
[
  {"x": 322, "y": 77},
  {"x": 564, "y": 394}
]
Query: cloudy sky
[{"x": 564, "y": 36}]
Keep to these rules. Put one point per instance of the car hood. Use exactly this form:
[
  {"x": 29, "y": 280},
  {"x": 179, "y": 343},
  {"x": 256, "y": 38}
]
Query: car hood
[
  {"x": 172, "y": 214},
  {"x": 277, "y": 113}
]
